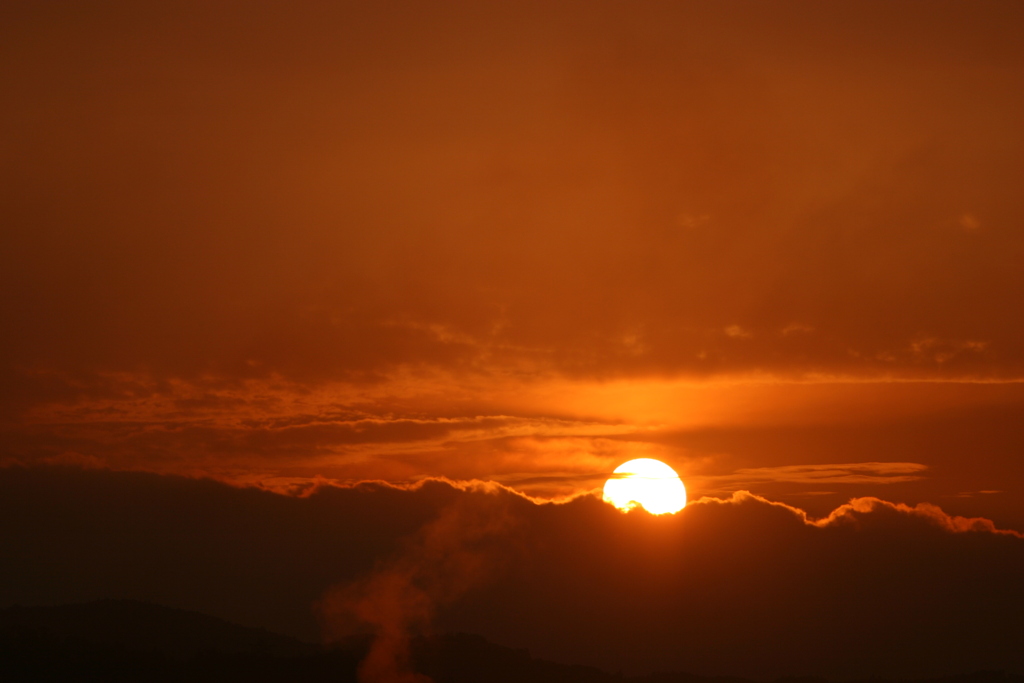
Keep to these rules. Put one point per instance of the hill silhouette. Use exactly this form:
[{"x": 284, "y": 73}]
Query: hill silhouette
[
  {"x": 124, "y": 640},
  {"x": 146, "y": 627}
]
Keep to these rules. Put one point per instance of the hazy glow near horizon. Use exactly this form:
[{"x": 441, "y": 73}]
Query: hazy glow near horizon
[{"x": 646, "y": 482}]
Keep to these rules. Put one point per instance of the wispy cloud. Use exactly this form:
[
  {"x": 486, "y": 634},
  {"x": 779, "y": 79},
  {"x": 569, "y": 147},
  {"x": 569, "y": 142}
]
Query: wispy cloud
[{"x": 832, "y": 473}]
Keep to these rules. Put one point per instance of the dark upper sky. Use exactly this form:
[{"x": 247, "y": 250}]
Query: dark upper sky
[
  {"x": 326, "y": 192},
  {"x": 777, "y": 245}
]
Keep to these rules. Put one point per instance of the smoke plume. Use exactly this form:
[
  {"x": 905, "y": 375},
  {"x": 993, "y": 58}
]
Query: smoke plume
[{"x": 445, "y": 558}]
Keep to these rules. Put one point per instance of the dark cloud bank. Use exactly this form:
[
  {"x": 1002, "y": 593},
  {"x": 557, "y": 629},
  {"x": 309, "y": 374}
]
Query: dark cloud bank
[{"x": 742, "y": 587}]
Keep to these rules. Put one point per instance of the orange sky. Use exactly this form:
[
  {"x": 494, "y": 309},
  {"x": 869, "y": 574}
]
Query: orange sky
[
  {"x": 777, "y": 245},
  {"x": 278, "y": 279}
]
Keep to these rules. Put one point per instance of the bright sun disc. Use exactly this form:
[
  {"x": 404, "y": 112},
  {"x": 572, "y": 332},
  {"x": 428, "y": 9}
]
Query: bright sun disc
[{"x": 646, "y": 482}]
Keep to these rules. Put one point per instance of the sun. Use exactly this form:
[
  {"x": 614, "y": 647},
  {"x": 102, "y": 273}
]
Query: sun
[{"x": 646, "y": 482}]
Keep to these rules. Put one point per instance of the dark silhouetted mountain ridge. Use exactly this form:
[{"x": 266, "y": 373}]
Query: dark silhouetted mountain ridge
[
  {"x": 123, "y": 640},
  {"x": 145, "y": 627}
]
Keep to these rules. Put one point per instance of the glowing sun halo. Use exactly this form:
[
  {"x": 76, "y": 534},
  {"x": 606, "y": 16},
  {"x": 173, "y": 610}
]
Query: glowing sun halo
[{"x": 648, "y": 483}]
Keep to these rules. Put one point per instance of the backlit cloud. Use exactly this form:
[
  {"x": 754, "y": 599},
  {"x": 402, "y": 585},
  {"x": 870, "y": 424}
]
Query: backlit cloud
[{"x": 729, "y": 585}]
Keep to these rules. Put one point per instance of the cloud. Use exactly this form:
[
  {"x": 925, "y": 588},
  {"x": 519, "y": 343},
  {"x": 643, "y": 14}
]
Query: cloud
[
  {"x": 549, "y": 437},
  {"x": 862, "y": 510},
  {"x": 739, "y": 585},
  {"x": 259, "y": 431},
  {"x": 837, "y": 473},
  {"x": 969, "y": 222}
]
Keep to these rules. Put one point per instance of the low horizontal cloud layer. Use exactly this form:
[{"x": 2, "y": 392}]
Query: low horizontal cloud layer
[
  {"x": 548, "y": 436},
  {"x": 737, "y": 585}
]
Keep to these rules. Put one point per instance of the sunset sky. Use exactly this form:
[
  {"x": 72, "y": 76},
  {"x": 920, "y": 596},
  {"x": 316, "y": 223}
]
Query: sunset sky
[{"x": 299, "y": 246}]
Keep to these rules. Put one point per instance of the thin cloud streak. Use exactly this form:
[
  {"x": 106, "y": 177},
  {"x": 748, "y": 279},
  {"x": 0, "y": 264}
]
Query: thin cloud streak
[{"x": 837, "y": 473}]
